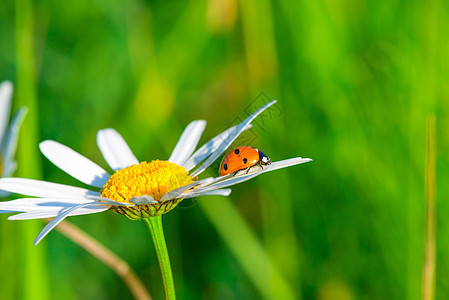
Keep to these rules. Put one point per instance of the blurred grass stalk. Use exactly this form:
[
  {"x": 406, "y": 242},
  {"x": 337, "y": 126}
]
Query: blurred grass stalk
[
  {"x": 107, "y": 257},
  {"x": 247, "y": 249},
  {"x": 277, "y": 216},
  {"x": 34, "y": 281},
  {"x": 428, "y": 288}
]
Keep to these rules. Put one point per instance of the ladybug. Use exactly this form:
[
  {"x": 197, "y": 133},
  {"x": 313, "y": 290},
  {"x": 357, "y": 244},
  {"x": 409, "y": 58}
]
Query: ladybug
[{"x": 242, "y": 158}]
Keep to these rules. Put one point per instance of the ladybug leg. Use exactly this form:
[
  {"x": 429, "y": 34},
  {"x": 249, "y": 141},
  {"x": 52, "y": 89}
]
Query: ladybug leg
[
  {"x": 257, "y": 164},
  {"x": 249, "y": 168}
]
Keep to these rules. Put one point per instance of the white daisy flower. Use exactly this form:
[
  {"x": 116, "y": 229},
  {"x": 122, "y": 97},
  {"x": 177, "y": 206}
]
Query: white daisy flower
[
  {"x": 9, "y": 134},
  {"x": 136, "y": 190}
]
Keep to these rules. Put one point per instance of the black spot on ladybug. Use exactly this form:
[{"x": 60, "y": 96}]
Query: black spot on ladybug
[
  {"x": 225, "y": 166},
  {"x": 236, "y": 151},
  {"x": 245, "y": 160}
]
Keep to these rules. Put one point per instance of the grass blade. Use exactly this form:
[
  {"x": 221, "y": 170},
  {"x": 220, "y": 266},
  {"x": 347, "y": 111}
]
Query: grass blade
[
  {"x": 247, "y": 249},
  {"x": 35, "y": 278},
  {"x": 430, "y": 250}
]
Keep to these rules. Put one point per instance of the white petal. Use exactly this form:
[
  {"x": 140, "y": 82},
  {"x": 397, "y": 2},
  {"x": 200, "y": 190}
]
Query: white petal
[
  {"x": 229, "y": 182},
  {"x": 38, "y": 188},
  {"x": 41, "y": 204},
  {"x": 253, "y": 172},
  {"x": 187, "y": 142},
  {"x": 34, "y": 215},
  {"x": 115, "y": 150},
  {"x": 208, "y": 148},
  {"x": 95, "y": 208},
  {"x": 222, "y": 192},
  {"x": 9, "y": 143},
  {"x": 74, "y": 163},
  {"x": 59, "y": 218},
  {"x": 5, "y": 105},
  {"x": 176, "y": 192},
  {"x": 90, "y": 209},
  {"x": 143, "y": 200},
  {"x": 230, "y": 138}
]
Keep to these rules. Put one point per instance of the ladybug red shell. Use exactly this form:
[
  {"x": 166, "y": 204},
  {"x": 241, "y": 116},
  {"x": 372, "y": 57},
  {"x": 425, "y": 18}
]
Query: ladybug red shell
[{"x": 242, "y": 158}]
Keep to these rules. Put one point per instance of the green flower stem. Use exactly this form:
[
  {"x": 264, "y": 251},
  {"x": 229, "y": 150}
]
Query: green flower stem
[{"x": 155, "y": 226}]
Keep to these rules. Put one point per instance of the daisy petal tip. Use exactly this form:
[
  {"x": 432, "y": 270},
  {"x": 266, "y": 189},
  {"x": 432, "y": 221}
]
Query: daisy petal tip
[
  {"x": 105, "y": 130},
  {"x": 74, "y": 164},
  {"x": 5, "y": 83},
  {"x": 202, "y": 122},
  {"x": 226, "y": 192},
  {"x": 43, "y": 233},
  {"x": 17, "y": 216},
  {"x": 6, "y": 87},
  {"x": 36, "y": 241},
  {"x": 268, "y": 104},
  {"x": 114, "y": 149},
  {"x": 10, "y": 218},
  {"x": 187, "y": 142},
  {"x": 23, "y": 111},
  {"x": 44, "y": 144}
]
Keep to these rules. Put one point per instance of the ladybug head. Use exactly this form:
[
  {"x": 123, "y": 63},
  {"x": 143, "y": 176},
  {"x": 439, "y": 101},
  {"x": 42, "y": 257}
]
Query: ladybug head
[{"x": 264, "y": 160}]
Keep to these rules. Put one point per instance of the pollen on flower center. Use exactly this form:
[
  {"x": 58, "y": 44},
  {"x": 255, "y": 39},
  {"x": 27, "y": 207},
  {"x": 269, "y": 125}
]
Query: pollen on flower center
[{"x": 155, "y": 178}]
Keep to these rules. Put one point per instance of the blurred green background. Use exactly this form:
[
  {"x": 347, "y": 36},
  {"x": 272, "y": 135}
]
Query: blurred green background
[{"x": 354, "y": 81}]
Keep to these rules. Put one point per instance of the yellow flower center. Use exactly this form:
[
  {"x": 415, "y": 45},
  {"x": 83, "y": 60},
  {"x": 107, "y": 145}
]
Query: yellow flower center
[{"x": 155, "y": 179}]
